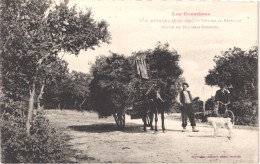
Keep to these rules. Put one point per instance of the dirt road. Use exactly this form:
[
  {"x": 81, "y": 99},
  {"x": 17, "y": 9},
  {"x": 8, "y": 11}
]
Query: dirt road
[{"x": 99, "y": 140}]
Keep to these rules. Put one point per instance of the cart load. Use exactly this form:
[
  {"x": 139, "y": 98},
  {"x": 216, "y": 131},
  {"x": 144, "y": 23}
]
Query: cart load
[{"x": 119, "y": 84}]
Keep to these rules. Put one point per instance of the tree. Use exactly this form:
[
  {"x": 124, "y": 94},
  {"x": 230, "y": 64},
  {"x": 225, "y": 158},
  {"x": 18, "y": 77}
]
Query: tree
[
  {"x": 75, "y": 91},
  {"x": 32, "y": 32},
  {"x": 50, "y": 79},
  {"x": 71, "y": 91},
  {"x": 238, "y": 69}
]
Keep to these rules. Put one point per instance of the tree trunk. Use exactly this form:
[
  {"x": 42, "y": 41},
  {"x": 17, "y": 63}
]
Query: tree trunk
[
  {"x": 40, "y": 97},
  {"x": 30, "y": 110}
]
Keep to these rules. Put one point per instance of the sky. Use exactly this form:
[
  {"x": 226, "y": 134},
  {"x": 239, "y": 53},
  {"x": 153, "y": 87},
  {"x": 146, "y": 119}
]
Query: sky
[{"x": 139, "y": 25}]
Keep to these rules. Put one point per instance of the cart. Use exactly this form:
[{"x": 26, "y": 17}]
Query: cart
[{"x": 139, "y": 86}]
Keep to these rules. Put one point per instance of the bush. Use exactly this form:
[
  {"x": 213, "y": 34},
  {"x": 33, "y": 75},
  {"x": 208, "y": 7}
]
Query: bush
[
  {"x": 210, "y": 103},
  {"x": 246, "y": 112},
  {"x": 45, "y": 144}
]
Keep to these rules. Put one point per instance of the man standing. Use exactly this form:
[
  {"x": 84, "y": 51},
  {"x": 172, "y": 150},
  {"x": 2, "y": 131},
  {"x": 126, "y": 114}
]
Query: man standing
[
  {"x": 222, "y": 95},
  {"x": 184, "y": 99}
]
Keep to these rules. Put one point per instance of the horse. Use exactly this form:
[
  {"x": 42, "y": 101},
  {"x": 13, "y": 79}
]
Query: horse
[{"x": 154, "y": 105}]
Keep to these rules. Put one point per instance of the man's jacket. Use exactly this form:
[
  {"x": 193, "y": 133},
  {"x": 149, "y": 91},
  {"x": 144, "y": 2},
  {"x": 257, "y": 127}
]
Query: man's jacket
[
  {"x": 222, "y": 96},
  {"x": 182, "y": 97}
]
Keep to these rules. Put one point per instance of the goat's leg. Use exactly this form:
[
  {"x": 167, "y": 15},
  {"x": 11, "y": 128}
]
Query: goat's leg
[
  {"x": 230, "y": 130},
  {"x": 230, "y": 134},
  {"x": 215, "y": 131}
]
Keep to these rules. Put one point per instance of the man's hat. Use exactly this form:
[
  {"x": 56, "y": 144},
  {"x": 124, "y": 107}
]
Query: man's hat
[
  {"x": 221, "y": 85},
  {"x": 185, "y": 84}
]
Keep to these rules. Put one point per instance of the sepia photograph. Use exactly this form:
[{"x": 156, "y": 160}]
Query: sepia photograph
[{"x": 121, "y": 81}]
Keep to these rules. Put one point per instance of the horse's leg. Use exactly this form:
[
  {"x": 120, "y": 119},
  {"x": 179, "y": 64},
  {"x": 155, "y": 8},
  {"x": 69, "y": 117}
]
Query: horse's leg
[
  {"x": 151, "y": 119},
  {"x": 156, "y": 119},
  {"x": 144, "y": 119},
  {"x": 162, "y": 117}
]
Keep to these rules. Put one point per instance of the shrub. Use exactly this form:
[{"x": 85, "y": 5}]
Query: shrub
[
  {"x": 210, "y": 103},
  {"x": 45, "y": 144},
  {"x": 246, "y": 112}
]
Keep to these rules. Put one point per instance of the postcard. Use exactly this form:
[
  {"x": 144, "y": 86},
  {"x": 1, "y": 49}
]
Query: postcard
[{"x": 198, "y": 59}]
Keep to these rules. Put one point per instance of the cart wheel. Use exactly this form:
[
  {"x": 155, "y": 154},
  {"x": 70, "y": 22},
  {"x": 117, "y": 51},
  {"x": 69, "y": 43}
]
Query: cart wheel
[
  {"x": 230, "y": 114},
  {"x": 120, "y": 119}
]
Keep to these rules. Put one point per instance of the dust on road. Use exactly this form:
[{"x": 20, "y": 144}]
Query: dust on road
[{"x": 99, "y": 140}]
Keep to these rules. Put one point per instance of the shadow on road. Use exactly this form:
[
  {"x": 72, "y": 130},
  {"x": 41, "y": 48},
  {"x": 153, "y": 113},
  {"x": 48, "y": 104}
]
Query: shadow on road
[
  {"x": 103, "y": 128},
  {"x": 207, "y": 136},
  {"x": 172, "y": 130}
]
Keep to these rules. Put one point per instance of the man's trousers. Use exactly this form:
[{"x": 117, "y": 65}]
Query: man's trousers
[{"x": 186, "y": 111}]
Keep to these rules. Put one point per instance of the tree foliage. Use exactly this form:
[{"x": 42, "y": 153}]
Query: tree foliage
[
  {"x": 111, "y": 76},
  {"x": 50, "y": 75},
  {"x": 75, "y": 91},
  {"x": 164, "y": 63},
  {"x": 238, "y": 69},
  {"x": 33, "y": 32}
]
